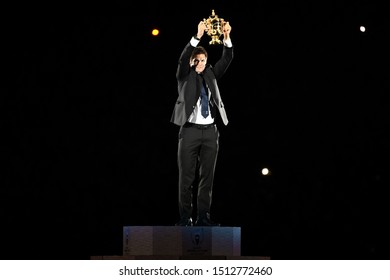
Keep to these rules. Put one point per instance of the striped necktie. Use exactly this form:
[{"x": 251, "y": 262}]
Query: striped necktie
[{"x": 204, "y": 100}]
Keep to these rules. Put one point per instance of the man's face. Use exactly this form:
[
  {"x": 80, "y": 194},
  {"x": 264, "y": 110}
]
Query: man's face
[{"x": 199, "y": 62}]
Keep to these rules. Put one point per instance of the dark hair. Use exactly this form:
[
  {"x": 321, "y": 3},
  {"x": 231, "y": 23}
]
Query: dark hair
[{"x": 198, "y": 50}]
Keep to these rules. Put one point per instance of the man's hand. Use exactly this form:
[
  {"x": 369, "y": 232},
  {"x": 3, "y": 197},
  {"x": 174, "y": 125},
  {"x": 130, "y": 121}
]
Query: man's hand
[
  {"x": 226, "y": 30},
  {"x": 202, "y": 27}
]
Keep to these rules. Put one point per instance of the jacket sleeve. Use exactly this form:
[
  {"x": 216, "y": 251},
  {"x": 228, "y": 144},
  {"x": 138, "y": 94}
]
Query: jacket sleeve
[
  {"x": 183, "y": 66},
  {"x": 223, "y": 63}
]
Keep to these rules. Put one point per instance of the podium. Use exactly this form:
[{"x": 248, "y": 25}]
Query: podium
[{"x": 181, "y": 241}]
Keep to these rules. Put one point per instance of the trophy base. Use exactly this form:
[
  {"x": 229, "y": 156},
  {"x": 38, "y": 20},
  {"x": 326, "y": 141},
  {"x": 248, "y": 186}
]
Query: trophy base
[{"x": 216, "y": 42}]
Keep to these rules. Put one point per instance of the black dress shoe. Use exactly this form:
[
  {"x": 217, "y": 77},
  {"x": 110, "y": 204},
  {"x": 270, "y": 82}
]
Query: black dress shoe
[
  {"x": 184, "y": 222},
  {"x": 206, "y": 222}
]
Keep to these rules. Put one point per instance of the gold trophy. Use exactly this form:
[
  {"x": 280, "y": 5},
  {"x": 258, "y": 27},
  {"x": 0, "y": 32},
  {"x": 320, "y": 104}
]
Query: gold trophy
[{"x": 214, "y": 28}]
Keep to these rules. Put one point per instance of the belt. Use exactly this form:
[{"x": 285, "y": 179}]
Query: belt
[{"x": 199, "y": 126}]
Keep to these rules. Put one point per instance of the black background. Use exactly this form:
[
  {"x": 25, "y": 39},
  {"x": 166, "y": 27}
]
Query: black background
[{"x": 88, "y": 146}]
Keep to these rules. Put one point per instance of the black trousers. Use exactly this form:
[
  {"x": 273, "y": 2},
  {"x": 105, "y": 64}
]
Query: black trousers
[{"x": 198, "y": 147}]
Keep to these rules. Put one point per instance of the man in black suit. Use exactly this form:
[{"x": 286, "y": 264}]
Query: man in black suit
[{"x": 195, "y": 111}]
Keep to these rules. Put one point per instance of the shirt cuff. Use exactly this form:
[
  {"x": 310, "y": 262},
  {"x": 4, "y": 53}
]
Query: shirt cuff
[
  {"x": 194, "y": 42},
  {"x": 228, "y": 43}
]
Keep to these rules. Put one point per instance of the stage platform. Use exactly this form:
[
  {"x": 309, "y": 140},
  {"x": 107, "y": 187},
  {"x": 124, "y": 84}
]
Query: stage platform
[
  {"x": 182, "y": 243},
  {"x": 171, "y": 257}
]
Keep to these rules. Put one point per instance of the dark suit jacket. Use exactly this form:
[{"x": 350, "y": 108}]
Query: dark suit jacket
[{"x": 188, "y": 85}]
